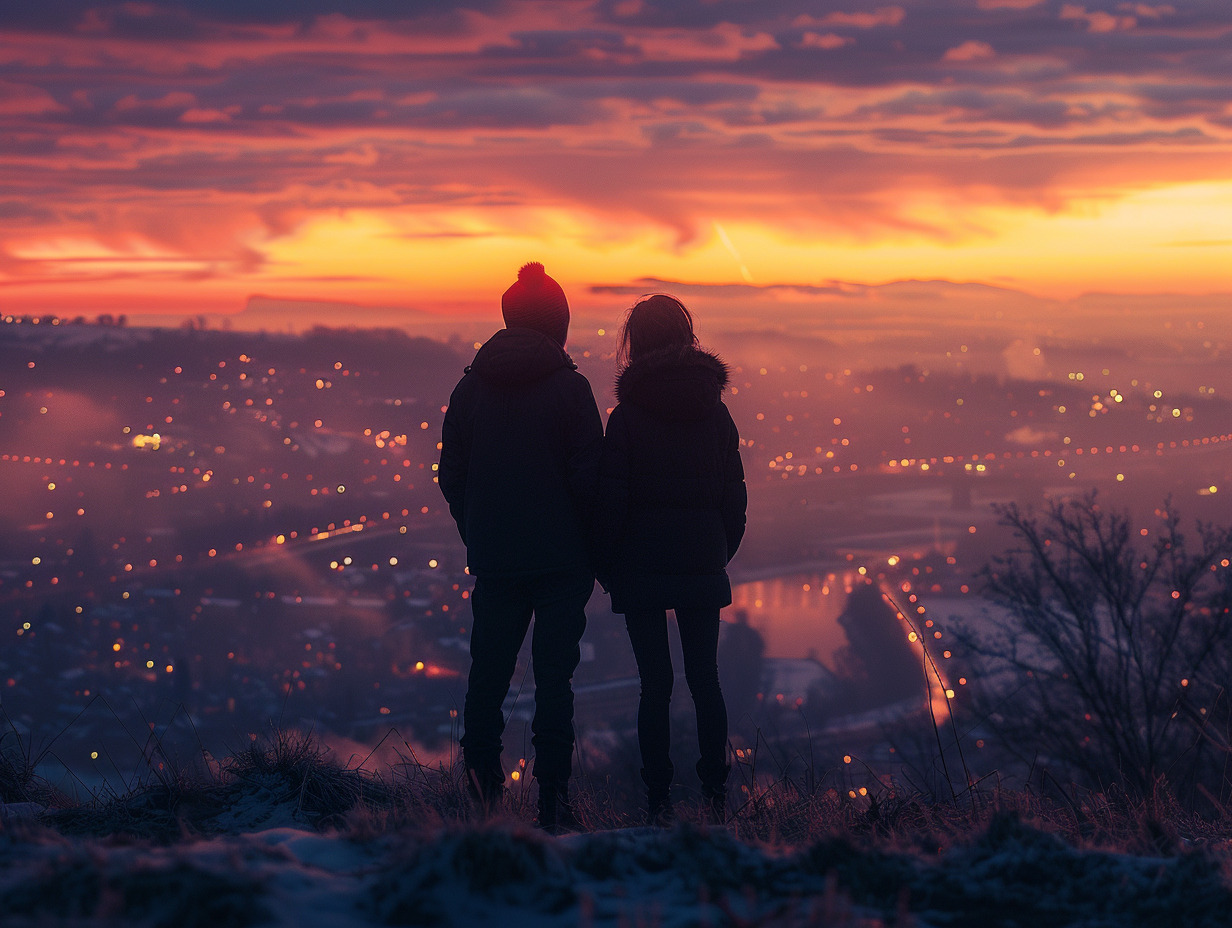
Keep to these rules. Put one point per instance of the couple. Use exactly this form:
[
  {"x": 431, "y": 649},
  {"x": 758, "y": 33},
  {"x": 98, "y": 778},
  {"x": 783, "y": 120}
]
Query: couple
[{"x": 545, "y": 502}]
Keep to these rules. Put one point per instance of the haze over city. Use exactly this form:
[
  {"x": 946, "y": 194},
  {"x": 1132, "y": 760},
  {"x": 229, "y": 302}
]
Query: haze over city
[{"x": 957, "y": 253}]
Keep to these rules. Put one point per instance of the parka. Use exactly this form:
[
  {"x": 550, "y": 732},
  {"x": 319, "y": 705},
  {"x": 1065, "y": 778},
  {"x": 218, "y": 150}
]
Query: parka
[
  {"x": 672, "y": 499},
  {"x": 519, "y": 457}
]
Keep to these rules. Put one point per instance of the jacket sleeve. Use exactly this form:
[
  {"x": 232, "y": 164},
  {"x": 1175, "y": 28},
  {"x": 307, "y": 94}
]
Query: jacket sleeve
[
  {"x": 583, "y": 439},
  {"x": 612, "y": 504},
  {"x": 735, "y": 496},
  {"x": 451, "y": 472}
]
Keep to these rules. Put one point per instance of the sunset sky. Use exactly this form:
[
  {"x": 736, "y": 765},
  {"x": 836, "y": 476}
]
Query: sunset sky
[{"x": 186, "y": 157}]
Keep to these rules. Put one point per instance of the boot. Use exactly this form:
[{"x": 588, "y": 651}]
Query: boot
[
  {"x": 658, "y": 780},
  {"x": 556, "y": 815},
  {"x": 659, "y": 811},
  {"x": 486, "y": 786},
  {"x": 715, "y": 798},
  {"x": 713, "y": 775}
]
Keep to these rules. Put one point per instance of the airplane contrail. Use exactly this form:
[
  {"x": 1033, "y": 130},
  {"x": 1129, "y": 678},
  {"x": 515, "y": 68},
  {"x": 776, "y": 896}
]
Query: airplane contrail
[{"x": 727, "y": 243}]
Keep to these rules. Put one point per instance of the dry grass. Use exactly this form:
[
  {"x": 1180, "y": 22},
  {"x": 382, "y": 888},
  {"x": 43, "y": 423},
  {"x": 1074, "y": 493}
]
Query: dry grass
[
  {"x": 78, "y": 886},
  {"x": 295, "y": 774},
  {"x": 796, "y": 850}
]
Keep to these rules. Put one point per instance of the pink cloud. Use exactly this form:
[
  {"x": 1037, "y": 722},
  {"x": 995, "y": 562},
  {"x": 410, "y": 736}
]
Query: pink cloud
[
  {"x": 970, "y": 51},
  {"x": 1146, "y": 11},
  {"x": 1097, "y": 21},
  {"x": 723, "y": 42},
  {"x": 1008, "y": 4},
  {"x": 24, "y": 100},
  {"x": 202, "y": 115},
  {"x": 827, "y": 41},
  {"x": 882, "y": 16},
  {"x": 173, "y": 100}
]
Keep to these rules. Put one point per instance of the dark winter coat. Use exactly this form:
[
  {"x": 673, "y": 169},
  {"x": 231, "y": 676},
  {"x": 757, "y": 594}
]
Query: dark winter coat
[
  {"x": 671, "y": 509},
  {"x": 519, "y": 457}
]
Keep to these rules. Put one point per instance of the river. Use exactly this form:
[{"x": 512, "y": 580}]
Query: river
[{"x": 797, "y": 614}]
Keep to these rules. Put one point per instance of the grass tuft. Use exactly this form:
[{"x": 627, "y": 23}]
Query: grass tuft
[
  {"x": 80, "y": 886},
  {"x": 17, "y": 779},
  {"x": 503, "y": 865},
  {"x": 297, "y": 769}
]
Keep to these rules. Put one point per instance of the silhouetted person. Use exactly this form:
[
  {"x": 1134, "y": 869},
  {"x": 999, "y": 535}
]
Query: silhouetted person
[
  {"x": 519, "y": 459},
  {"x": 670, "y": 516}
]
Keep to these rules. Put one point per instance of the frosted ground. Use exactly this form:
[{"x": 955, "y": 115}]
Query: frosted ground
[{"x": 267, "y": 864}]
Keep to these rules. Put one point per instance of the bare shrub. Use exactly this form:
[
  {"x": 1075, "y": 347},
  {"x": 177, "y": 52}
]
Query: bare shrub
[{"x": 1112, "y": 664}]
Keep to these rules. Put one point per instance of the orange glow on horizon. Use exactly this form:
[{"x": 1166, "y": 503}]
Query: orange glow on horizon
[{"x": 410, "y": 166}]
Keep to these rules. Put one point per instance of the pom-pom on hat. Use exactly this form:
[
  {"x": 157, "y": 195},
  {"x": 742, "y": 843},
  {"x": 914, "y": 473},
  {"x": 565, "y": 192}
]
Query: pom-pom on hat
[{"x": 536, "y": 301}]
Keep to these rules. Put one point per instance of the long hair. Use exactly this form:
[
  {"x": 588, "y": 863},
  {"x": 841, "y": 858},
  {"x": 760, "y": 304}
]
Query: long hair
[{"x": 655, "y": 323}]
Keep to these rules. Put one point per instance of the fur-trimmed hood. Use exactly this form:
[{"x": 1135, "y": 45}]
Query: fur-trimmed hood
[{"x": 673, "y": 384}]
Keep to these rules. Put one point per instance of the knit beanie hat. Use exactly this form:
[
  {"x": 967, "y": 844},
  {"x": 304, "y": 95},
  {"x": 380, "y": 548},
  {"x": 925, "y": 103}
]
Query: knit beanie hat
[{"x": 536, "y": 301}]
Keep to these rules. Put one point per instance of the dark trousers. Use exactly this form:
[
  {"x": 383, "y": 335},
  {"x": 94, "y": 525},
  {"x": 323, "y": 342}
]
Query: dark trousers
[
  {"x": 502, "y": 609},
  {"x": 699, "y": 639}
]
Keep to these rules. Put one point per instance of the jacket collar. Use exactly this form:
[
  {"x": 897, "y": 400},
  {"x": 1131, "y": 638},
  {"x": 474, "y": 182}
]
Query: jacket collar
[
  {"x": 674, "y": 384},
  {"x": 518, "y": 356}
]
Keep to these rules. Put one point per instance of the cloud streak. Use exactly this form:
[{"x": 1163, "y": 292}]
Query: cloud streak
[{"x": 225, "y": 142}]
